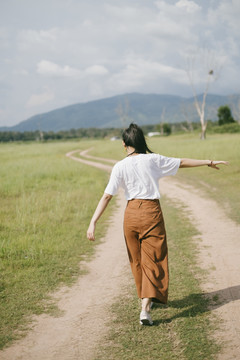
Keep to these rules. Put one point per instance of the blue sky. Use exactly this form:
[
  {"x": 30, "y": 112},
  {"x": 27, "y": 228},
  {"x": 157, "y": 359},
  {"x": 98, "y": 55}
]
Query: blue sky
[{"x": 54, "y": 53}]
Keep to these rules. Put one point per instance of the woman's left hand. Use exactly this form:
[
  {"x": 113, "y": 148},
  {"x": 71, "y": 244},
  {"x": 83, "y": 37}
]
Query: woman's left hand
[
  {"x": 91, "y": 232},
  {"x": 215, "y": 163}
]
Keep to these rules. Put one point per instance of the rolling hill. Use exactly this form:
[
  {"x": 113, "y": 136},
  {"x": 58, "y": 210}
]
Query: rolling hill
[{"x": 120, "y": 110}]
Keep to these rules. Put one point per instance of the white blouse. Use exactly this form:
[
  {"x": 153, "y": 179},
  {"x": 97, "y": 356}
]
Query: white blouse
[{"x": 138, "y": 175}]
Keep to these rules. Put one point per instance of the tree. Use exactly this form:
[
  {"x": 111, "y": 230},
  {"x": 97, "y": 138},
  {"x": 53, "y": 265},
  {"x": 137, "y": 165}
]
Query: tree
[
  {"x": 187, "y": 110},
  {"x": 225, "y": 115},
  {"x": 167, "y": 130},
  {"x": 164, "y": 128},
  {"x": 206, "y": 75}
]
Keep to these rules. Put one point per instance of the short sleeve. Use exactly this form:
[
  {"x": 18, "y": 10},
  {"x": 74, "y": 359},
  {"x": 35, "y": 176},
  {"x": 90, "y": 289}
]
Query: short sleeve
[
  {"x": 169, "y": 165},
  {"x": 166, "y": 166},
  {"x": 115, "y": 182}
]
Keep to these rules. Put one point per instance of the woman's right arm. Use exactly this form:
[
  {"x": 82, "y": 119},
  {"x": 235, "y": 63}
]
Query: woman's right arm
[
  {"x": 187, "y": 163},
  {"x": 103, "y": 203}
]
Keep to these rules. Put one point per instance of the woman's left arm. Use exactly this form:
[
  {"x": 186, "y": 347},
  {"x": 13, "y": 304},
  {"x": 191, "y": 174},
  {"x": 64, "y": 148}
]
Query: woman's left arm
[{"x": 187, "y": 163}]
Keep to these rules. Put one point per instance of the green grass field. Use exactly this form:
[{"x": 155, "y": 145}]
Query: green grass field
[
  {"x": 222, "y": 185},
  {"x": 46, "y": 203}
]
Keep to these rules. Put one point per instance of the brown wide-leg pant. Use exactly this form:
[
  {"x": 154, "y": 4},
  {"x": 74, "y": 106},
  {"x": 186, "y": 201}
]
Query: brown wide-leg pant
[{"x": 146, "y": 242}]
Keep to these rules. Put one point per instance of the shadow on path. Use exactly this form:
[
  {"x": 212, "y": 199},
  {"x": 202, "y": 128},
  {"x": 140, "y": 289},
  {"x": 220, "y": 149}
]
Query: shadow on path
[{"x": 196, "y": 304}]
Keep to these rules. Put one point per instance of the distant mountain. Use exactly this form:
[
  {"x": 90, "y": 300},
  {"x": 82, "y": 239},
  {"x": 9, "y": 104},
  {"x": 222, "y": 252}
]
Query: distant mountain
[{"x": 119, "y": 111}]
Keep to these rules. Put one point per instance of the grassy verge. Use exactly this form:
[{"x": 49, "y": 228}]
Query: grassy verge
[
  {"x": 46, "y": 203},
  {"x": 182, "y": 330}
]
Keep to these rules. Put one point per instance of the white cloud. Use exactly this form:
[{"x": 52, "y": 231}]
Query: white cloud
[
  {"x": 170, "y": 30},
  {"x": 227, "y": 14},
  {"x": 34, "y": 36},
  {"x": 96, "y": 70},
  {"x": 189, "y": 6},
  {"x": 49, "y": 68},
  {"x": 40, "y": 99},
  {"x": 138, "y": 72}
]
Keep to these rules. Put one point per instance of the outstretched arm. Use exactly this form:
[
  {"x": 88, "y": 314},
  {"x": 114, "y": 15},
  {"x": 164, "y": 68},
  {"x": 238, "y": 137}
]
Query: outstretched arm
[
  {"x": 103, "y": 203},
  {"x": 186, "y": 163}
]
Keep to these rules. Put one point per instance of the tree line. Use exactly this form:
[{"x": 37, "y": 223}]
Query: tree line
[{"x": 225, "y": 123}]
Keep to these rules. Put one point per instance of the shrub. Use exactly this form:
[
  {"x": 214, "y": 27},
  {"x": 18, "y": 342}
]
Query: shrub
[
  {"x": 227, "y": 128},
  {"x": 225, "y": 115}
]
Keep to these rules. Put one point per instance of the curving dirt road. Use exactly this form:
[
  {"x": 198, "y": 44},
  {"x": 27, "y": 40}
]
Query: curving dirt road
[{"x": 76, "y": 333}]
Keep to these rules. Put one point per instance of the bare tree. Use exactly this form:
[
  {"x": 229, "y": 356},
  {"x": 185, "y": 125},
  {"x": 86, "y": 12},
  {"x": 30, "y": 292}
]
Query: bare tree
[
  {"x": 122, "y": 111},
  {"x": 40, "y": 133},
  {"x": 210, "y": 72},
  {"x": 235, "y": 105},
  {"x": 162, "y": 120},
  {"x": 187, "y": 110}
]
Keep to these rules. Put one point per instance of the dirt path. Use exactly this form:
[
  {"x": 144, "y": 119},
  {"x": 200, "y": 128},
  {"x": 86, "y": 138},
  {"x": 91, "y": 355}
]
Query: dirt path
[
  {"x": 220, "y": 254},
  {"x": 76, "y": 333}
]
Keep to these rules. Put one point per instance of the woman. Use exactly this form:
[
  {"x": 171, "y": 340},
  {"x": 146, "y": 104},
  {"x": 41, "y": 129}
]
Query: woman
[{"x": 144, "y": 228}]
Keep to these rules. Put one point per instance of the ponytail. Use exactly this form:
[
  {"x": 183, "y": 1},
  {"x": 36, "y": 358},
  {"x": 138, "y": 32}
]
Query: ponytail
[{"x": 133, "y": 136}]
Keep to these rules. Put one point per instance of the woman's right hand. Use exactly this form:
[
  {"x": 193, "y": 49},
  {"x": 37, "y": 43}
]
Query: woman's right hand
[
  {"x": 214, "y": 164},
  {"x": 91, "y": 232}
]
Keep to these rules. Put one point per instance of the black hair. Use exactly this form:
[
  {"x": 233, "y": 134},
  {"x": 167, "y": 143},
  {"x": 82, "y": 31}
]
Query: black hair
[{"x": 133, "y": 136}]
